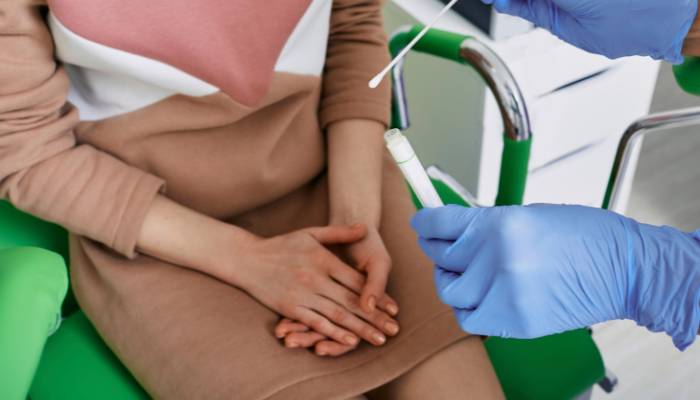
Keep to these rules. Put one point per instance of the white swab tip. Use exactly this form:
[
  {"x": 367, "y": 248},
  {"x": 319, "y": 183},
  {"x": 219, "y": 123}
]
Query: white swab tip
[{"x": 375, "y": 82}]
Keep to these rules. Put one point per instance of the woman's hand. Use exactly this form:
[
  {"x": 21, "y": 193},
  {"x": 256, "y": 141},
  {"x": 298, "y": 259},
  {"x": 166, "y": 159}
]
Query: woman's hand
[
  {"x": 295, "y": 275},
  {"x": 355, "y": 153},
  {"x": 297, "y": 335},
  {"x": 355, "y": 159},
  {"x": 367, "y": 254}
]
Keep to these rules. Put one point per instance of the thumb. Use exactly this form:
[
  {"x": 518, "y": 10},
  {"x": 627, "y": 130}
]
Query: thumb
[
  {"x": 338, "y": 234},
  {"x": 375, "y": 286}
]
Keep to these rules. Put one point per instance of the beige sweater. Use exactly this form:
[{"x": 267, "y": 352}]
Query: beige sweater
[{"x": 104, "y": 104}]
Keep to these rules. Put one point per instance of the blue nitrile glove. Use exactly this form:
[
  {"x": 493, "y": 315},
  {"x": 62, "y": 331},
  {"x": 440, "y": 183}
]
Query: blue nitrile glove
[
  {"x": 531, "y": 271},
  {"x": 613, "y": 28}
]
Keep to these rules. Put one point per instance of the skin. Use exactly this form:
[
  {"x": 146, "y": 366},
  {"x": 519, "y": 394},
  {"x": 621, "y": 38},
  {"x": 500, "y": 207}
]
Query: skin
[
  {"x": 355, "y": 153},
  {"x": 294, "y": 274}
]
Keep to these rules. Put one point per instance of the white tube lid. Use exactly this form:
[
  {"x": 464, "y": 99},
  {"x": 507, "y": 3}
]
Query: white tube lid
[{"x": 399, "y": 146}]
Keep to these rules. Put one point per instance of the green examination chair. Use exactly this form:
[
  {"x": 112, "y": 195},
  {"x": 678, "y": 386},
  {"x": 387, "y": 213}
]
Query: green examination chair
[{"x": 70, "y": 363}]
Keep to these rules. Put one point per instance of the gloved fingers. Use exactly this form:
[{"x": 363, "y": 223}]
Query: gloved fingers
[
  {"x": 445, "y": 223},
  {"x": 451, "y": 256},
  {"x": 456, "y": 290},
  {"x": 518, "y": 8},
  {"x": 435, "y": 249},
  {"x": 478, "y": 322},
  {"x": 443, "y": 278},
  {"x": 465, "y": 321},
  {"x": 465, "y": 291},
  {"x": 539, "y": 12}
]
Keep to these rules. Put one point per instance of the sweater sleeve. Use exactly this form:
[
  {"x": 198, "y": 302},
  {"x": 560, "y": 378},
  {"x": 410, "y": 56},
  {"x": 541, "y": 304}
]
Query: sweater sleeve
[
  {"x": 43, "y": 171},
  {"x": 357, "y": 51}
]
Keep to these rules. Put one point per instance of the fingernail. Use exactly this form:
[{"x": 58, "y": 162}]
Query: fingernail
[
  {"x": 392, "y": 308},
  {"x": 351, "y": 340},
  {"x": 372, "y": 302},
  {"x": 292, "y": 345},
  {"x": 321, "y": 353},
  {"x": 379, "y": 338},
  {"x": 392, "y": 328}
]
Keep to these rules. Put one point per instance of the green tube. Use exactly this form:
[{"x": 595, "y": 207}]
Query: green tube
[
  {"x": 436, "y": 42},
  {"x": 688, "y": 75},
  {"x": 514, "y": 169},
  {"x": 33, "y": 283},
  {"x": 608, "y": 190}
]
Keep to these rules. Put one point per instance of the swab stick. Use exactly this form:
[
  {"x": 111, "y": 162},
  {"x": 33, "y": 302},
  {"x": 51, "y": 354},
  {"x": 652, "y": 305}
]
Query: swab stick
[{"x": 374, "y": 83}]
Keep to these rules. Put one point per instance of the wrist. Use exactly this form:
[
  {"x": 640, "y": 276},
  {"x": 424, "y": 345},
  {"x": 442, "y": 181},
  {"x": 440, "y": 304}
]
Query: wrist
[
  {"x": 225, "y": 254},
  {"x": 666, "y": 295},
  {"x": 356, "y": 214}
]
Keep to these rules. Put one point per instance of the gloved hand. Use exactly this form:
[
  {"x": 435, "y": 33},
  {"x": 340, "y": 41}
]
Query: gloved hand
[
  {"x": 614, "y": 28},
  {"x": 532, "y": 271}
]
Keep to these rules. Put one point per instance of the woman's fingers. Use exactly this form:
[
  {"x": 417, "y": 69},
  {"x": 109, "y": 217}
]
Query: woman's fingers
[
  {"x": 302, "y": 339},
  {"x": 388, "y": 304},
  {"x": 321, "y": 324},
  {"x": 355, "y": 281},
  {"x": 339, "y": 234},
  {"x": 341, "y": 316},
  {"x": 286, "y": 326},
  {"x": 332, "y": 349},
  {"x": 377, "y": 277},
  {"x": 351, "y": 301}
]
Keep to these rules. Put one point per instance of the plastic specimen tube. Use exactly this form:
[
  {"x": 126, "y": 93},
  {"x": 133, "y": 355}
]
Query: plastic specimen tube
[{"x": 412, "y": 169}]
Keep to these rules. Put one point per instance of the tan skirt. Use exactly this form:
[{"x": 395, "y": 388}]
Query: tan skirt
[{"x": 185, "y": 335}]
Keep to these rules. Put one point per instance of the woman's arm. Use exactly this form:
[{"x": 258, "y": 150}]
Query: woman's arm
[
  {"x": 181, "y": 236},
  {"x": 355, "y": 151},
  {"x": 354, "y": 118},
  {"x": 293, "y": 274},
  {"x": 43, "y": 170},
  {"x": 355, "y": 156}
]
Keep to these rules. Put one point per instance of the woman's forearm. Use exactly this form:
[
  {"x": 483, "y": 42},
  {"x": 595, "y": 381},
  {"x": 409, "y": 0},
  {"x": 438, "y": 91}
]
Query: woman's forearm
[
  {"x": 355, "y": 152},
  {"x": 179, "y": 235}
]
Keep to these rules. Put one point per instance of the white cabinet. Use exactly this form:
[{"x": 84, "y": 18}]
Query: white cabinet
[{"x": 579, "y": 103}]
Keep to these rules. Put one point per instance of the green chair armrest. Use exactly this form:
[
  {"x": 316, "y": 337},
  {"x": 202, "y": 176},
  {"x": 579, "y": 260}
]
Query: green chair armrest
[
  {"x": 33, "y": 283},
  {"x": 688, "y": 75},
  {"x": 19, "y": 229}
]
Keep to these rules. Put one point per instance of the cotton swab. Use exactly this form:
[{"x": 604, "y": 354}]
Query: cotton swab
[{"x": 374, "y": 83}]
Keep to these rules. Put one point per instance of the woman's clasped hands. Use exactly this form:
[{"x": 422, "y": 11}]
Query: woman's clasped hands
[{"x": 326, "y": 303}]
